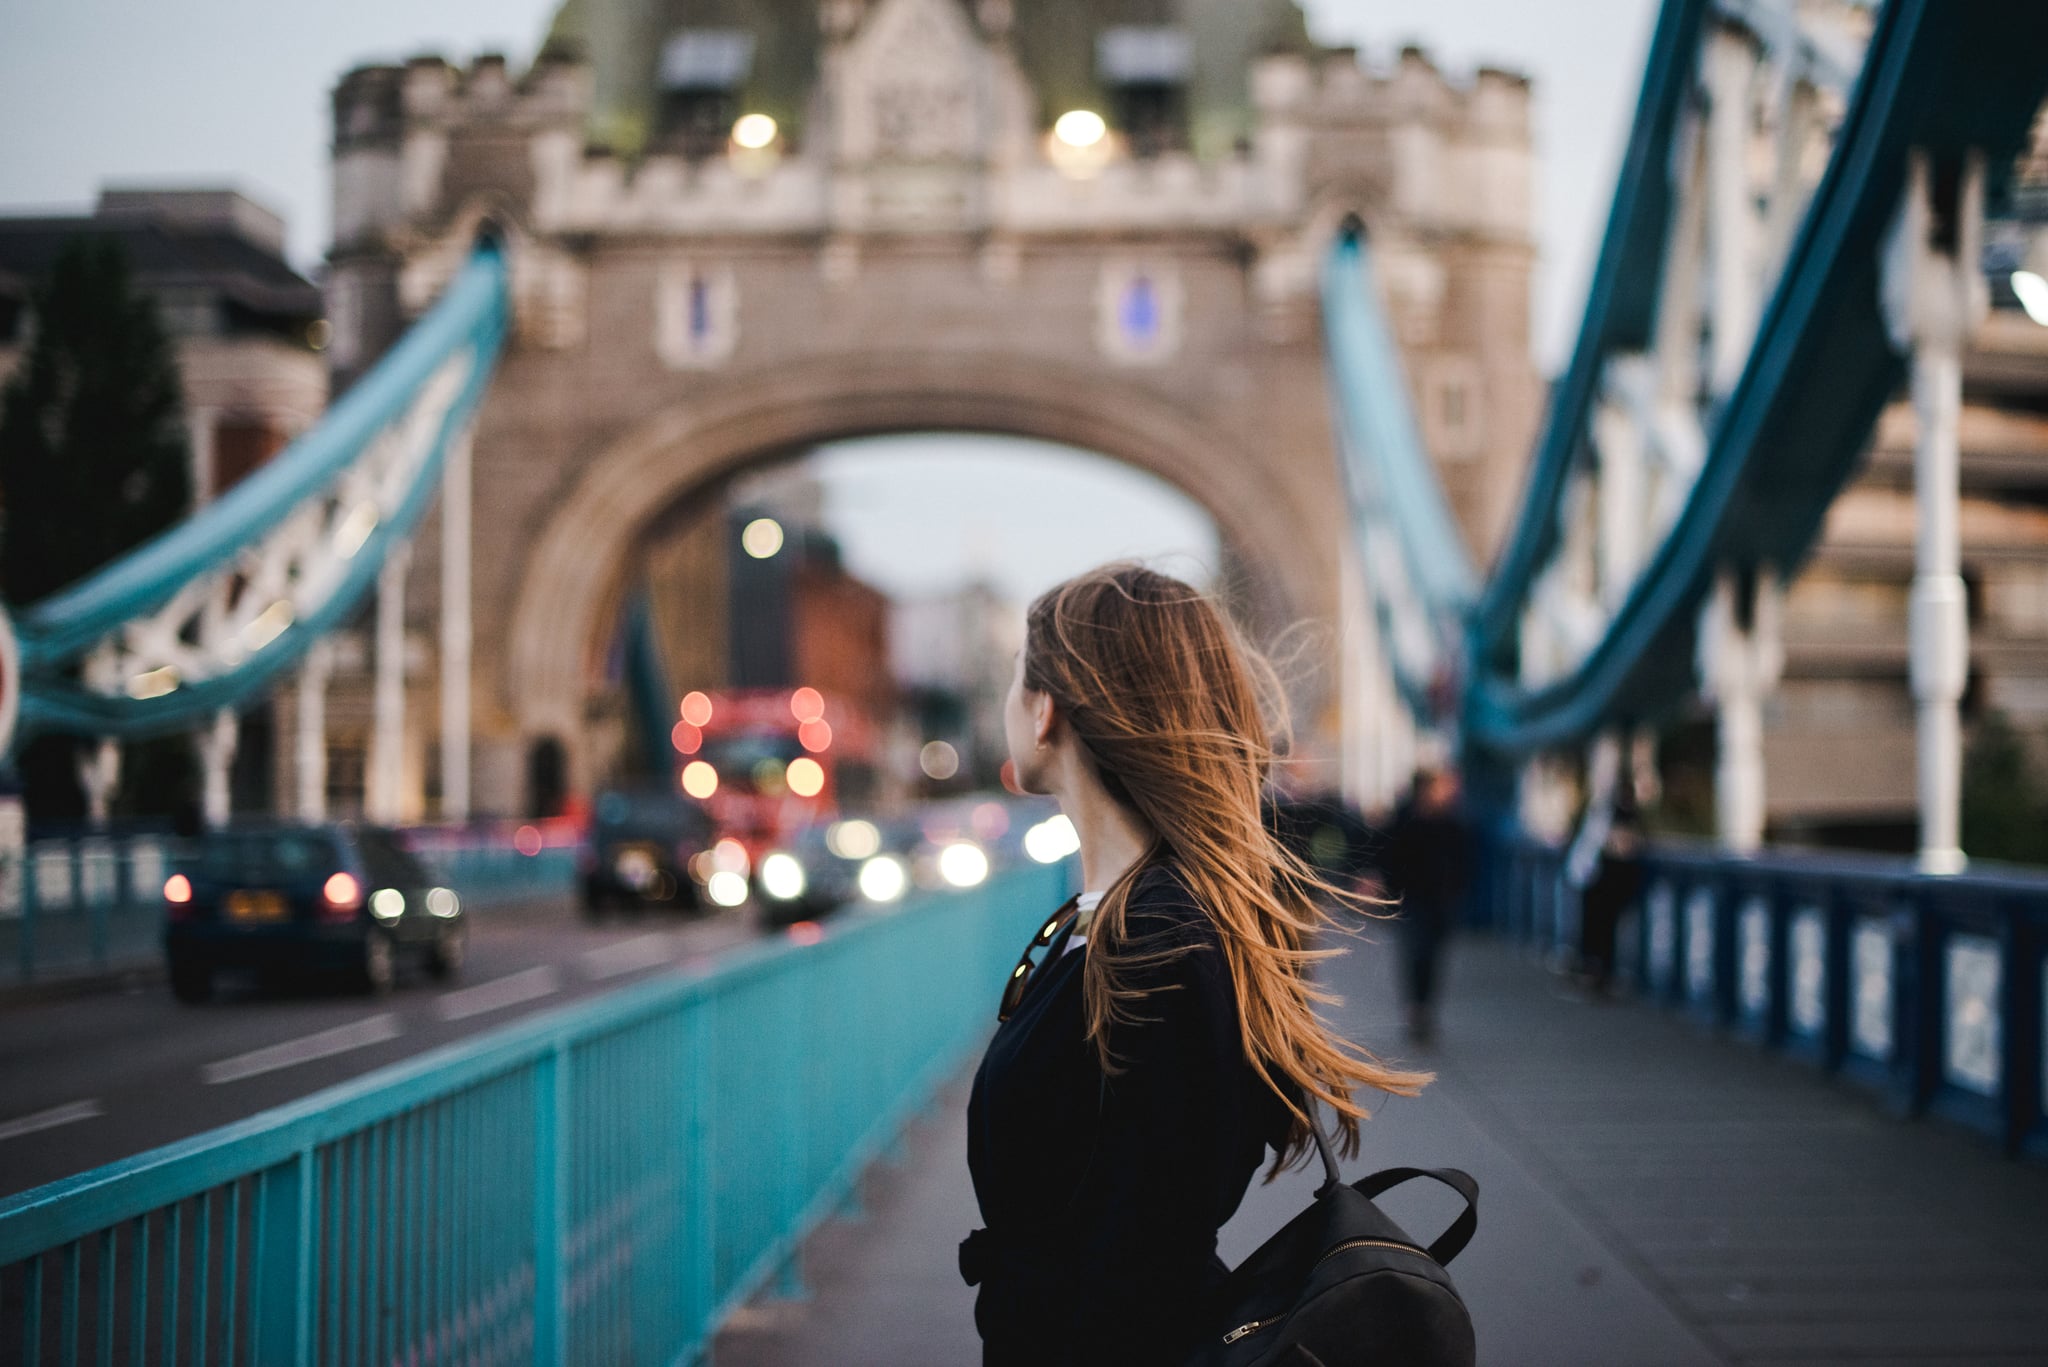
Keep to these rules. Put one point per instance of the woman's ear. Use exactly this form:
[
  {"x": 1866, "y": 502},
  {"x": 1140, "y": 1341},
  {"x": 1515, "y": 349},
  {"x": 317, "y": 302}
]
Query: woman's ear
[{"x": 1045, "y": 719}]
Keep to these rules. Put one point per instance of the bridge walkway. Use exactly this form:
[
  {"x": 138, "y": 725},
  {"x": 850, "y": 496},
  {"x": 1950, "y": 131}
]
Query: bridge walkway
[{"x": 1651, "y": 1197}]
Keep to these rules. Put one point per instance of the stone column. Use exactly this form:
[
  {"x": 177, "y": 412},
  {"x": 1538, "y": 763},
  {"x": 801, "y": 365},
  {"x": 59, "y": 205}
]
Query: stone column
[
  {"x": 311, "y": 752},
  {"x": 1740, "y": 660},
  {"x": 387, "y": 734},
  {"x": 1934, "y": 297},
  {"x": 455, "y": 630},
  {"x": 216, "y": 762},
  {"x": 99, "y": 773}
]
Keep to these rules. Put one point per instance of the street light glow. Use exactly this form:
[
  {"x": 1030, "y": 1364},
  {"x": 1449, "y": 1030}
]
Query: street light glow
[
  {"x": 754, "y": 131},
  {"x": 1080, "y": 128}
]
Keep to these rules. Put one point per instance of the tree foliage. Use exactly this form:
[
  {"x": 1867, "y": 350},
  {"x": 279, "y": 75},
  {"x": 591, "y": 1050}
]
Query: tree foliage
[
  {"x": 2005, "y": 802},
  {"x": 93, "y": 456},
  {"x": 93, "y": 462}
]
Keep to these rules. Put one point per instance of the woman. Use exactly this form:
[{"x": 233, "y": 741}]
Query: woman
[{"x": 1167, "y": 1036}]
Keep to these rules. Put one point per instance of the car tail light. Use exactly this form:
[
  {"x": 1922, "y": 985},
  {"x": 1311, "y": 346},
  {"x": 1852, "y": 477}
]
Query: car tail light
[
  {"x": 342, "y": 895},
  {"x": 178, "y": 896}
]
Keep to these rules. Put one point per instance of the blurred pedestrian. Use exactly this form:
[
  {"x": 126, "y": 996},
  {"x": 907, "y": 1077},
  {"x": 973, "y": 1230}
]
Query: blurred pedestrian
[
  {"x": 1426, "y": 864},
  {"x": 1159, "y": 1034},
  {"x": 1608, "y": 889}
]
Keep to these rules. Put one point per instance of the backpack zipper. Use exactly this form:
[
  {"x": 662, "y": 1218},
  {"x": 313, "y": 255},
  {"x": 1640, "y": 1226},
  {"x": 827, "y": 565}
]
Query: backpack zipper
[
  {"x": 1254, "y": 1326},
  {"x": 1234, "y": 1335}
]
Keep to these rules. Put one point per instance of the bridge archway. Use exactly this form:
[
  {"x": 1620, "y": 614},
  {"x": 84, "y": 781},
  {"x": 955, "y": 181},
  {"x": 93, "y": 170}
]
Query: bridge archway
[{"x": 570, "y": 581}]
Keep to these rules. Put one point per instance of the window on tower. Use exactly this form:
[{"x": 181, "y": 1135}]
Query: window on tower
[
  {"x": 703, "y": 72},
  {"x": 1146, "y": 69}
]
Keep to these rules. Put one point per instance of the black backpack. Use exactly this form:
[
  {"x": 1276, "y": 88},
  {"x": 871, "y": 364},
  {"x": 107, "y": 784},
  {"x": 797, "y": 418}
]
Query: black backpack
[{"x": 1341, "y": 1285}]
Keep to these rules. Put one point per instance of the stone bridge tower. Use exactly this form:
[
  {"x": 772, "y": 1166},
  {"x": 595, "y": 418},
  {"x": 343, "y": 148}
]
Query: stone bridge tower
[{"x": 737, "y": 229}]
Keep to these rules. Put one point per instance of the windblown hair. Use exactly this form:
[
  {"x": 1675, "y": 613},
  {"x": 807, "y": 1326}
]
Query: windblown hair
[{"x": 1172, "y": 706}]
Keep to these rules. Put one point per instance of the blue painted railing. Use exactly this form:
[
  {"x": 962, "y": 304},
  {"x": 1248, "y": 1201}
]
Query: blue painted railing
[
  {"x": 602, "y": 1184},
  {"x": 84, "y": 906},
  {"x": 1932, "y": 991}
]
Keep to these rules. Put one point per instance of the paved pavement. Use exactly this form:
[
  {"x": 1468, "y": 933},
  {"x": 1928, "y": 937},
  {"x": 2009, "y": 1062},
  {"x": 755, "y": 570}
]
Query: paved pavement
[
  {"x": 1651, "y": 1197},
  {"x": 86, "y": 1079}
]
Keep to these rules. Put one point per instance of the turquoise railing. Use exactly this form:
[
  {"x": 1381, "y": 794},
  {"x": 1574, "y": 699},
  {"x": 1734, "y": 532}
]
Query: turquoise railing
[
  {"x": 94, "y": 904},
  {"x": 600, "y": 1185}
]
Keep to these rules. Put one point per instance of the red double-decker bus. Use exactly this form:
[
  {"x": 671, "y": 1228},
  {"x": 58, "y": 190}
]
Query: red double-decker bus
[{"x": 768, "y": 761}]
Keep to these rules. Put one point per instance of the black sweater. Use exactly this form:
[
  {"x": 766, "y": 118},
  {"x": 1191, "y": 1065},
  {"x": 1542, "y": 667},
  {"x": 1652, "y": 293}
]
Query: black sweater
[{"x": 1102, "y": 1197}]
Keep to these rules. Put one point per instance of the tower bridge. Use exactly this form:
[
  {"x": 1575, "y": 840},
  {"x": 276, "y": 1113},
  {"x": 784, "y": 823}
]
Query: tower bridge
[
  {"x": 923, "y": 250},
  {"x": 693, "y": 239}
]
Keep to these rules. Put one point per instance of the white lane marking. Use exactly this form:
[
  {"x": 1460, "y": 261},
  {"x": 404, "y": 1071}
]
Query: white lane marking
[
  {"x": 642, "y": 951},
  {"x": 342, "y": 1038},
  {"x": 499, "y": 993},
  {"x": 68, "y": 1114}
]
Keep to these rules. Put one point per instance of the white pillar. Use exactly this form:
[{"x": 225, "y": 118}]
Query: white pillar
[
  {"x": 455, "y": 630},
  {"x": 99, "y": 773},
  {"x": 200, "y": 424},
  {"x": 387, "y": 734},
  {"x": 1730, "y": 69},
  {"x": 1739, "y": 666},
  {"x": 1934, "y": 298},
  {"x": 216, "y": 761},
  {"x": 311, "y": 750}
]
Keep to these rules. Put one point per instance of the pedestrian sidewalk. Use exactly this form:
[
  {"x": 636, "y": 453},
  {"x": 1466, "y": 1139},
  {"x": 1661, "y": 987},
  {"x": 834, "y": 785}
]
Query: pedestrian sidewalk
[{"x": 1650, "y": 1197}]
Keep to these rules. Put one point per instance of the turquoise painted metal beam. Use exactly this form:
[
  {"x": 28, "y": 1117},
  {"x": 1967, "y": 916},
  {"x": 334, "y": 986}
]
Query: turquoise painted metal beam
[
  {"x": 1940, "y": 76},
  {"x": 448, "y": 356}
]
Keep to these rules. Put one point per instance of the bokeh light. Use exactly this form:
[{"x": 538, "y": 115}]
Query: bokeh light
[
  {"x": 807, "y": 704},
  {"x": 700, "y": 780},
  {"x": 1052, "y": 840},
  {"x": 754, "y": 131},
  {"x": 686, "y": 738},
  {"x": 761, "y": 538},
  {"x": 727, "y": 888},
  {"x": 1080, "y": 128},
  {"x": 697, "y": 708},
  {"x": 963, "y": 864},
  {"x": 816, "y": 735},
  {"x": 939, "y": 760},
  {"x": 855, "y": 839},
  {"x": 805, "y": 776},
  {"x": 883, "y": 878}
]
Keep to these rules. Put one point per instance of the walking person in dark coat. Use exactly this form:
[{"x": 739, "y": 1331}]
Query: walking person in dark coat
[
  {"x": 1615, "y": 882},
  {"x": 1427, "y": 863},
  {"x": 1159, "y": 1034}
]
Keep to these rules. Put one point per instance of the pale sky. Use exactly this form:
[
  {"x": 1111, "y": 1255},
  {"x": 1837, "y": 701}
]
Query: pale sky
[{"x": 236, "y": 92}]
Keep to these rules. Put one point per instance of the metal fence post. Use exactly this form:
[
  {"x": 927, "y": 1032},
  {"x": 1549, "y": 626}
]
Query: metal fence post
[
  {"x": 550, "y": 1190},
  {"x": 26, "y": 945},
  {"x": 281, "y": 1275}
]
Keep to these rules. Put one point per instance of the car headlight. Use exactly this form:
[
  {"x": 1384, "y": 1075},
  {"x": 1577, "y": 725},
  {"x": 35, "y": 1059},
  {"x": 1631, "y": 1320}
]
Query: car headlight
[
  {"x": 387, "y": 904},
  {"x": 883, "y": 878},
  {"x": 963, "y": 864},
  {"x": 1051, "y": 840},
  {"x": 782, "y": 877},
  {"x": 727, "y": 888},
  {"x": 635, "y": 868},
  {"x": 443, "y": 902}
]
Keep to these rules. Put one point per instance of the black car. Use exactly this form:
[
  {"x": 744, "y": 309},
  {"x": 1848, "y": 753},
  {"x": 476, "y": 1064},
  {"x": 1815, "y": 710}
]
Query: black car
[
  {"x": 345, "y": 899},
  {"x": 641, "y": 847}
]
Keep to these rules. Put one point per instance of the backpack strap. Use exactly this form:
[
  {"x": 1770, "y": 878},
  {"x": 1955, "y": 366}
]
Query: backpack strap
[{"x": 1452, "y": 1241}]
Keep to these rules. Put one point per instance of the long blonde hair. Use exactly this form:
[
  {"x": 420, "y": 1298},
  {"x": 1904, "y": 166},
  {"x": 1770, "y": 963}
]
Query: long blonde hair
[{"x": 1171, "y": 705}]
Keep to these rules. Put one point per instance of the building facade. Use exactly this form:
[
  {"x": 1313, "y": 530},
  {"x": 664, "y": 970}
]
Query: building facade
[{"x": 740, "y": 230}]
